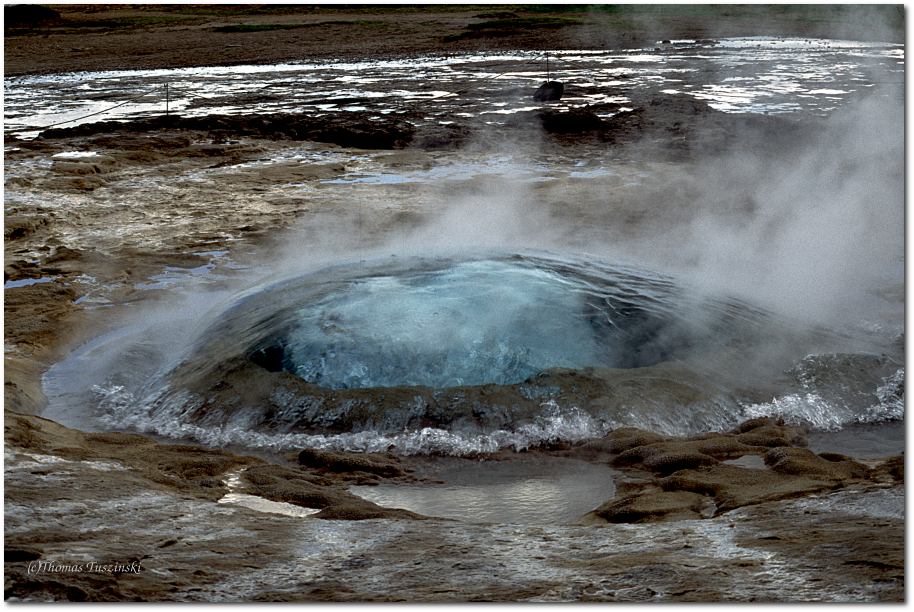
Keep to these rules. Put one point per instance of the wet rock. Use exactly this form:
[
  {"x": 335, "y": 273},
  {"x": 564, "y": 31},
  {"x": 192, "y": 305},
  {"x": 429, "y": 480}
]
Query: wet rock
[
  {"x": 359, "y": 130},
  {"x": 667, "y": 463},
  {"x": 801, "y": 461},
  {"x": 361, "y": 512},
  {"x": 756, "y": 423},
  {"x": 80, "y": 183},
  {"x": 772, "y": 436},
  {"x": 653, "y": 506},
  {"x": 549, "y": 91},
  {"x": 623, "y": 439},
  {"x": 693, "y": 465},
  {"x": 17, "y": 227},
  {"x": 440, "y": 137},
  {"x": 732, "y": 486},
  {"x": 663, "y": 456},
  {"x": 720, "y": 446},
  {"x": 574, "y": 121},
  {"x": 348, "y": 462},
  {"x": 62, "y": 254},
  {"x": 890, "y": 469},
  {"x": 89, "y": 166}
]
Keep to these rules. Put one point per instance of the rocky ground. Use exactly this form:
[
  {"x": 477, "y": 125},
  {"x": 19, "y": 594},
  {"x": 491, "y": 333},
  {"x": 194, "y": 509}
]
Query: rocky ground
[
  {"x": 102, "y": 37},
  {"x": 709, "y": 518},
  {"x": 74, "y": 498}
]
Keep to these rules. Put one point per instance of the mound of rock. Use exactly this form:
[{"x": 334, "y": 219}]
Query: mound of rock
[
  {"x": 349, "y": 462},
  {"x": 359, "y": 130},
  {"x": 704, "y": 476},
  {"x": 301, "y": 488}
]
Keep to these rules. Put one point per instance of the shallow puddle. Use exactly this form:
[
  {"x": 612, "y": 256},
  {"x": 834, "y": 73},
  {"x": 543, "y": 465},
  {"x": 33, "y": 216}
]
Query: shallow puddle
[
  {"x": 257, "y": 503},
  {"x": 863, "y": 441},
  {"x": 27, "y": 282},
  {"x": 523, "y": 490}
]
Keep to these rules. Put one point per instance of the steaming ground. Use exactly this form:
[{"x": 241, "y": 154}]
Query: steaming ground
[
  {"x": 635, "y": 210},
  {"x": 134, "y": 249}
]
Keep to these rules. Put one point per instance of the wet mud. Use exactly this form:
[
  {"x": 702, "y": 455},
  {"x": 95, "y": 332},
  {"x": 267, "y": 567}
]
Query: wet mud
[{"x": 74, "y": 498}]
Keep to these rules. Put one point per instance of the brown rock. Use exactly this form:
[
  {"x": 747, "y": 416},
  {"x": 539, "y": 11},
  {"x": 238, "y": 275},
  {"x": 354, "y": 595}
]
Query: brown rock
[
  {"x": 801, "y": 461},
  {"x": 890, "y": 469},
  {"x": 732, "y": 486},
  {"x": 667, "y": 463},
  {"x": 348, "y": 462},
  {"x": 625, "y": 438},
  {"x": 654, "y": 506},
  {"x": 772, "y": 436}
]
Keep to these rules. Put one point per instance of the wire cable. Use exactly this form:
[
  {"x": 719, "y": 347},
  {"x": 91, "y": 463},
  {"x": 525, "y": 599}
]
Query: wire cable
[{"x": 111, "y": 108}]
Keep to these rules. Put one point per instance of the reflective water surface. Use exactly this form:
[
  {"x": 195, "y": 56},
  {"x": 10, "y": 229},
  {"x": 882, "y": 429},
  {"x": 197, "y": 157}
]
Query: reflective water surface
[
  {"x": 525, "y": 490},
  {"x": 759, "y": 74}
]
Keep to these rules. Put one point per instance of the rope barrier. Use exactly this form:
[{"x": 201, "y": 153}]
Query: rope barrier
[{"x": 44, "y": 127}]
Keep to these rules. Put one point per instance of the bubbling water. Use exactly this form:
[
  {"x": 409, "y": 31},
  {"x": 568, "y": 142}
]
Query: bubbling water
[
  {"x": 487, "y": 321},
  {"x": 469, "y": 324}
]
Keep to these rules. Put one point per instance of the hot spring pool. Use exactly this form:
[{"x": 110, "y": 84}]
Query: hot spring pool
[
  {"x": 466, "y": 355},
  {"x": 472, "y": 323}
]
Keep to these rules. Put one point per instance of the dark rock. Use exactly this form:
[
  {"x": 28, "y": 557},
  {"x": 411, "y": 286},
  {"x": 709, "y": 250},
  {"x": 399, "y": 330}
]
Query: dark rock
[
  {"x": 893, "y": 468},
  {"x": 18, "y": 227},
  {"x": 14, "y": 555},
  {"x": 773, "y": 436},
  {"x": 671, "y": 454},
  {"x": 755, "y": 424},
  {"x": 549, "y": 91},
  {"x": 359, "y": 130},
  {"x": 575, "y": 121},
  {"x": 28, "y": 15}
]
